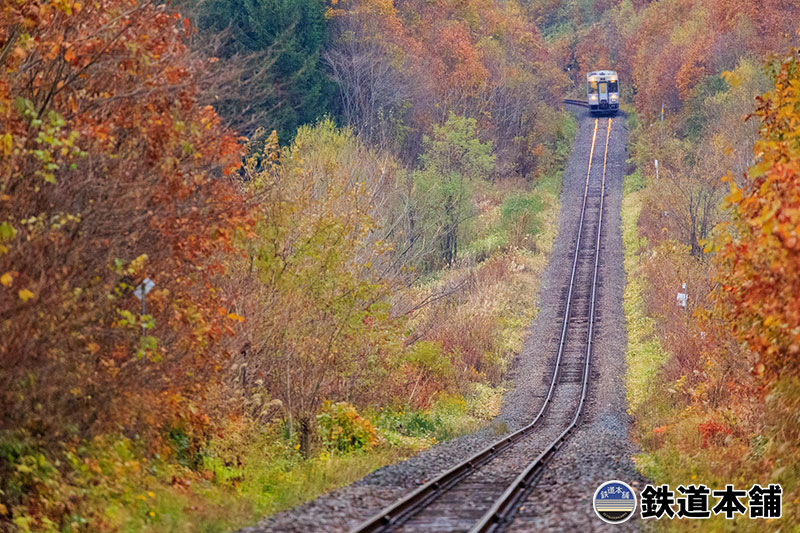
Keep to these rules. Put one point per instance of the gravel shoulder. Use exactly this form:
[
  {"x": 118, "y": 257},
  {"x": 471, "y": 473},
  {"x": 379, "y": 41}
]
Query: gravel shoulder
[{"x": 600, "y": 450}]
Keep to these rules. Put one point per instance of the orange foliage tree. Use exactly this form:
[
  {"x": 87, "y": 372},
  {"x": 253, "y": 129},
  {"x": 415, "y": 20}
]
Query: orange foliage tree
[
  {"x": 401, "y": 68},
  {"x": 759, "y": 258},
  {"x": 111, "y": 172}
]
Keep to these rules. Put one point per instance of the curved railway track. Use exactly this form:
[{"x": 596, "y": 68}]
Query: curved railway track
[{"x": 484, "y": 492}]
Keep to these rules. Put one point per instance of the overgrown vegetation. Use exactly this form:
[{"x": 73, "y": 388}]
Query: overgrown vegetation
[{"x": 645, "y": 355}]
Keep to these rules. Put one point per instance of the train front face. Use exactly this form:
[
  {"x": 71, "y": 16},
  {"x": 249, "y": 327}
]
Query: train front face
[{"x": 603, "y": 91}]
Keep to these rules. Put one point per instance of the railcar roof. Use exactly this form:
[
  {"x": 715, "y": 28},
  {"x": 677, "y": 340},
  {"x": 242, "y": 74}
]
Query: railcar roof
[{"x": 602, "y": 73}]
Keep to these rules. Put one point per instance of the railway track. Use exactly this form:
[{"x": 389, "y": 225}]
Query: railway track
[
  {"x": 572, "y": 101},
  {"x": 484, "y": 492}
]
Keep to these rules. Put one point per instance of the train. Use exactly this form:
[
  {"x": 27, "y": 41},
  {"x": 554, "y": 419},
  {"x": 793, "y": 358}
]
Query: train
[{"x": 602, "y": 91}]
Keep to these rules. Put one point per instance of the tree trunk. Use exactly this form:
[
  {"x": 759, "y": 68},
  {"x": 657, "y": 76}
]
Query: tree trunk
[{"x": 306, "y": 433}]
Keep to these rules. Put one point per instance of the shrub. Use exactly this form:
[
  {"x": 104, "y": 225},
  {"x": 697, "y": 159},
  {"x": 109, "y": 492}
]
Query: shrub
[
  {"x": 428, "y": 357},
  {"x": 344, "y": 430},
  {"x": 448, "y": 417}
]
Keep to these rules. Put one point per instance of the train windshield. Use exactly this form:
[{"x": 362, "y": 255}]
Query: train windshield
[
  {"x": 613, "y": 87},
  {"x": 592, "y": 87}
]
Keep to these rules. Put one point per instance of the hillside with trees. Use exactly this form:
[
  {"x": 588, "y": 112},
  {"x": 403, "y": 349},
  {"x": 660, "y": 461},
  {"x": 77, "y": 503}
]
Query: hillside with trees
[{"x": 340, "y": 212}]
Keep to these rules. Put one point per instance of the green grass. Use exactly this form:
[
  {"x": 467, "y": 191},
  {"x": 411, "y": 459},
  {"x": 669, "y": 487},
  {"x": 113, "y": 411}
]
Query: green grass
[
  {"x": 269, "y": 475},
  {"x": 633, "y": 183},
  {"x": 267, "y": 483},
  {"x": 645, "y": 354},
  {"x": 274, "y": 477}
]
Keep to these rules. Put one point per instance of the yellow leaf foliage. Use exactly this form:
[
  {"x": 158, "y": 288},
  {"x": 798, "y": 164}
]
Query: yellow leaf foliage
[{"x": 25, "y": 295}]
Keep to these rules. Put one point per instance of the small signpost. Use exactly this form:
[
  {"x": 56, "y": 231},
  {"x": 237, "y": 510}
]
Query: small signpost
[
  {"x": 683, "y": 297},
  {"x": 656, "y": 163},
  {"x": 141, "y": 292}
]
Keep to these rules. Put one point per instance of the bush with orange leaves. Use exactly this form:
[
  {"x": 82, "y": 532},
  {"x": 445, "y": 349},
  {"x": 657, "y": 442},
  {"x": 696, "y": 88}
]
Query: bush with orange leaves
[
  {"x": 758, "y": 262},
  {"x": 111, "y": 172}
]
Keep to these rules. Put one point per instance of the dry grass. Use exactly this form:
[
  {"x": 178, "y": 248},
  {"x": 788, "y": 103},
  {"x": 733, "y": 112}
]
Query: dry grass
[{"x": 483, "y": 310}]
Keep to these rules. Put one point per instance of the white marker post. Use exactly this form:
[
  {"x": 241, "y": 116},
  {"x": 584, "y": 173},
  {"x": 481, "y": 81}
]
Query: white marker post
[
  {"x": 141, "y": 292},
  {"x": 656, "y": 163},
  {"x": 683, "y": 298}
]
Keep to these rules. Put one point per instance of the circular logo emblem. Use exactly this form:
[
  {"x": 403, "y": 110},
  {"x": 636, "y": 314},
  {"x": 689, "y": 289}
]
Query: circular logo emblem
[{"x": 614, "y": 501}]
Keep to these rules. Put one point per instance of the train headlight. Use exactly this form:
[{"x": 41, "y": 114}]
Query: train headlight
[
  {"x": 614, "y": 96},
  {"x": 593, "y": 97}
]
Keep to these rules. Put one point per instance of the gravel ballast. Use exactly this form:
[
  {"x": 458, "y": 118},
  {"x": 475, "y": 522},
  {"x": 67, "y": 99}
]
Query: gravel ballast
[{"x": 600, "y": 449}]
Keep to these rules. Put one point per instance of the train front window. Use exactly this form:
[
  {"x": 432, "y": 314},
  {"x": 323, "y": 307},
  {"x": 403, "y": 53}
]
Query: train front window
[
  {"x": 592, "y": 87},
  {"x": 613, "y": 87}
]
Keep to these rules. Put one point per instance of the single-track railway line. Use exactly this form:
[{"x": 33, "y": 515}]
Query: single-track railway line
[{"x": 484, "y": 492}]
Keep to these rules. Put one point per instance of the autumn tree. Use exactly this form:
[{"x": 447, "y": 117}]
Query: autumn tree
[
  {"x": 111, "y": 173},
  {"x": 368, "y": 69},
  {"x": 324, "y": 260},
  {"x": 454, "y": 159},
  {"x": 758, "y": 258}
]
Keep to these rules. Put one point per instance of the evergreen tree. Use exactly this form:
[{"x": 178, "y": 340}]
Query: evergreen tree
[{"x": 287, "y": 37}]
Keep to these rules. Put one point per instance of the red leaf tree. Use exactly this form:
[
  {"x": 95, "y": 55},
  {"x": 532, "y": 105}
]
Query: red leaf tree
[{"x": 111, "y": 172}]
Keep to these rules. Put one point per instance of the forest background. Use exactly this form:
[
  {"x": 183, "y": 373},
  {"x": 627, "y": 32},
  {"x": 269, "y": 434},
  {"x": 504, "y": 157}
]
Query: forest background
[{"x": 345, "y": 208}]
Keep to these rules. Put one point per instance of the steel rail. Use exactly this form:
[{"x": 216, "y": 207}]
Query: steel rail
[
  {"x": 397, "y": 513},
  {"x": 572, "y": 101},
  {"x": 505, "y": 507}
]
